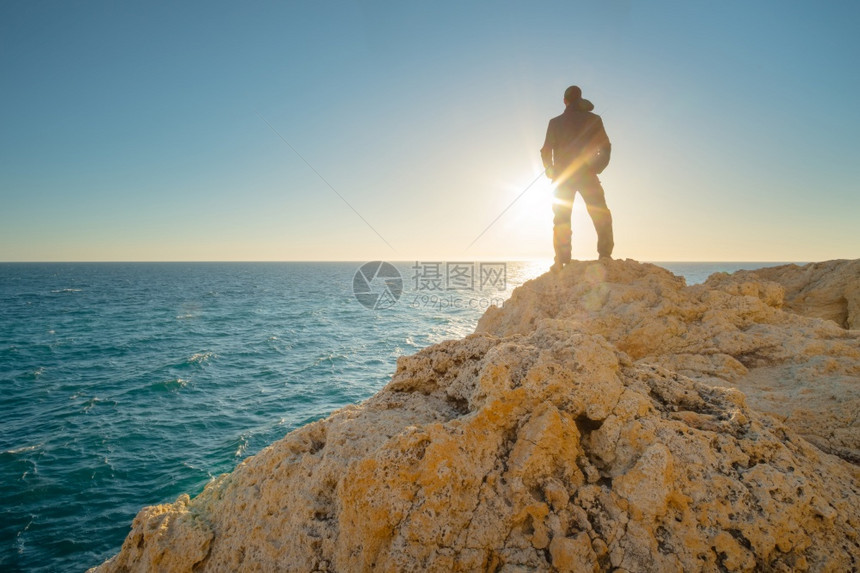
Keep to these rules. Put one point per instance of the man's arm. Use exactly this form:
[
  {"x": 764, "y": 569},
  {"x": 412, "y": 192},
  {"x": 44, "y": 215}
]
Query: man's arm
[
  {"x": 602, "y": 148},
  {"x": 546, "y": 150}
]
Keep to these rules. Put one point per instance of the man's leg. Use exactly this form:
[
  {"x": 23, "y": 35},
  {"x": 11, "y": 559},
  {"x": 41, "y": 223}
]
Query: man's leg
[
  {"x": 595, "y": 202},
  {"x": 561, "y": 210}
]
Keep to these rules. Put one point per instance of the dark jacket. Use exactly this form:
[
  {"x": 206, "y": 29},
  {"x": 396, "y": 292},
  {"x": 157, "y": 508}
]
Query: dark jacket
[{"x": 576, "y": 141}]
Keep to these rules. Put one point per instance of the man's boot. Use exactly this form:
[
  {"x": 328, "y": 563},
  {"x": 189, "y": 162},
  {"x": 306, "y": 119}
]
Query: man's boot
[{"x": 560, "y": 261}]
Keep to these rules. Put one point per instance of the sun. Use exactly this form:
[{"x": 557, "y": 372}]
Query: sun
[
  {"x": 525, "y": 229},
  {"x": 528, "y": 225}
]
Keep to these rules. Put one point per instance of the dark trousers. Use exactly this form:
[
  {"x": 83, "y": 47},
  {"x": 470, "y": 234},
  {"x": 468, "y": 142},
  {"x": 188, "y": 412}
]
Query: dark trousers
[{"x": 589, "y": 187}]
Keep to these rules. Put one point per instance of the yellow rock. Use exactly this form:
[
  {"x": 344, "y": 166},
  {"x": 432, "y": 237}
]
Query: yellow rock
[{"x": 608, "y": 418}]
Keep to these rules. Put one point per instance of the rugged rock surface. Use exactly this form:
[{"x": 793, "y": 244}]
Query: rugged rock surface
[
  {"x": 588, "y": 425},
  {"x": 828, "y": 290},
  {"x": 730, "y": 331}
]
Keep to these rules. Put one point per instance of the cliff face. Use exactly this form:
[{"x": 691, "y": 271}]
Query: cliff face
[{"x": 596, "y": 422}]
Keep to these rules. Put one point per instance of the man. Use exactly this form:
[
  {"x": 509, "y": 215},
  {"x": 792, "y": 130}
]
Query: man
[{"x": 575, "y": 151}]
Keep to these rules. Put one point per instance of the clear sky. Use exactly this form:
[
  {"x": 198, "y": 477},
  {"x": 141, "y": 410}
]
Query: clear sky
[{"x": 137, "y": 130}]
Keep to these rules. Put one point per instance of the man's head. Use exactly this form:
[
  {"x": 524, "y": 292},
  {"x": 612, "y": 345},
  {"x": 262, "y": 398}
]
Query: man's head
[{"x": 572, "y": 94}]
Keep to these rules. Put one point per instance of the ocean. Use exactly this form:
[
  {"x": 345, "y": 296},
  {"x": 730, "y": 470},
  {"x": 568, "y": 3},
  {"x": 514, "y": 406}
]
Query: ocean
[{"x": 127, "y": 384}]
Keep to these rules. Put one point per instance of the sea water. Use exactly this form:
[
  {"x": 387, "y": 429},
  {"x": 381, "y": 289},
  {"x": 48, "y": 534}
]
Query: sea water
[{"x": 127, "y": 384}]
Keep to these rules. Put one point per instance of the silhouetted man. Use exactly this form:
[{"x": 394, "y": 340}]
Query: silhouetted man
[{"x": 575, "y": 151}]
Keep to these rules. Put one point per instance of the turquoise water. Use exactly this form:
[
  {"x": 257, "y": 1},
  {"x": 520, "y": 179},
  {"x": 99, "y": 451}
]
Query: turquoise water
[{"x": 126, "y": 384}]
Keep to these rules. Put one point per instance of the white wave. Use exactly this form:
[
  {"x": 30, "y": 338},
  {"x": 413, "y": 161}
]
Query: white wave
[
  {"x": 23, "y": 449},
  {"x": 201, "y": 357}
]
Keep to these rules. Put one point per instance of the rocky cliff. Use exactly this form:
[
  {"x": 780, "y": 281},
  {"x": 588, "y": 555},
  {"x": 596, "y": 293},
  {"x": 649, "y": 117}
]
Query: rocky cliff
[{"x": 609, "y": 417}]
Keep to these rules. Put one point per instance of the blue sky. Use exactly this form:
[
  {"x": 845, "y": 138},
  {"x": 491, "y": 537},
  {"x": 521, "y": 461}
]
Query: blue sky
[{"x": 135, "y": 131}]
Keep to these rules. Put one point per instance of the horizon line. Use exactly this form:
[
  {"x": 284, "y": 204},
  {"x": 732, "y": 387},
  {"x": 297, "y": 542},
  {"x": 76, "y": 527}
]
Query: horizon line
[{"x": 538, "y": 259}]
